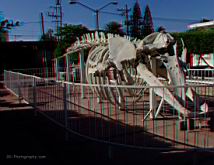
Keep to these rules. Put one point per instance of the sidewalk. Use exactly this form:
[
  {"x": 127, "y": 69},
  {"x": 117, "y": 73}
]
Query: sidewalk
[
  {"x": 35, "y": 140},
  {"x": 17, "y": 143},
  {"x": 9, "y": 101}
]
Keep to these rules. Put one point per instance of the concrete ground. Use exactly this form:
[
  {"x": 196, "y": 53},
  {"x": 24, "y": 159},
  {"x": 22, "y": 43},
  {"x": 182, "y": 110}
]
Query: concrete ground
[{"x": 29, "y": 139}]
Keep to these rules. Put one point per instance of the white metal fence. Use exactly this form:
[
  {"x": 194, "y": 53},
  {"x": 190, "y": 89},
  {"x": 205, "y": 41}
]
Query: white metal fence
[
  {"x": 201, "y": 75},
  {"x": 79, "y": 109},
  {"x": 192, "y": 75}
]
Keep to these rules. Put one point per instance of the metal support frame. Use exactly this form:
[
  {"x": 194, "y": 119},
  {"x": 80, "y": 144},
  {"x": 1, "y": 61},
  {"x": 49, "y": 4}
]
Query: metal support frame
[
  {"x": 151, "y": 112},
  {"x": 82, "y": 72},
  {"x": 68, "y": 74},
  {"x": 152, "y": 95},
  {"x": 159, "y": 108}
]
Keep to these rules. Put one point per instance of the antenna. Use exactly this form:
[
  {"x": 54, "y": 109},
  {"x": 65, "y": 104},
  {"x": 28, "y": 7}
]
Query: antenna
[{"x": 57, "y": 15}]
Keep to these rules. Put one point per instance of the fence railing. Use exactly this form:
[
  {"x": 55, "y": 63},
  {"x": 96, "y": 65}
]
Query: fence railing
[
  {"x": 204, "y": 75},
  {"x": 193, "y": 75},
  {"x": 45, "y": 72},
  {"x": 79, "y": 109},
  {"x": 51, "y": 73}
]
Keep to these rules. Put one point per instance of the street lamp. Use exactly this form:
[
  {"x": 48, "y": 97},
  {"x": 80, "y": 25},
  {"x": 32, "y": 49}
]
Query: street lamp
[{"x": 96, "y": 11}]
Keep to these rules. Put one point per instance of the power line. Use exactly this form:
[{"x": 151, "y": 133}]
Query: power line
[
  {"x": 112, "y": 13},
  {"x": 21, "y": 35},
  {"x": 175, "y": 19},
  {"x": 32, "y": 22}
]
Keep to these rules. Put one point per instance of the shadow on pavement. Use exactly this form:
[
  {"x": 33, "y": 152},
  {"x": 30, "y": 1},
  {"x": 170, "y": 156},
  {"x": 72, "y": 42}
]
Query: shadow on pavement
[{"x": 31, "y": 139}]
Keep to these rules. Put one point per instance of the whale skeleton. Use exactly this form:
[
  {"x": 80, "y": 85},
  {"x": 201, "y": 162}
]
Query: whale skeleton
[{"x": 115, "y": 60}]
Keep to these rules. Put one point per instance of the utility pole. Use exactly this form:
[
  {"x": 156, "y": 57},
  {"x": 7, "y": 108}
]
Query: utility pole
[
  {"x": 57, "y": 15},
  {"x": 43, "y": 25},
  {"x": 44, "y": 58},
  {"x": 125, "y": 11},
  {"x": 97, "y": 19}
]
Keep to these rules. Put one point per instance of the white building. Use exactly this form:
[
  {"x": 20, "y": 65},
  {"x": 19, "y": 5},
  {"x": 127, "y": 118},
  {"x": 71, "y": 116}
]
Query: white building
[{"x": 202, "y": 25}]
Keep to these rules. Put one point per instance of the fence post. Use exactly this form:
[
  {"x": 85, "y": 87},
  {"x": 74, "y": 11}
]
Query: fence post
[
  {"x": 65, "y": 111},
  {"x": 19, "y": 89},
  {"x": 110, "y": 155},
  {"x": 152, "y": 102},
  {"x": 56, "y": 69},
  {"x": 34, "y": 97},
  {"x": 68, "y": 74},
  {"x": 5, "y": 78},
  {"x": 9, "y": 85}
]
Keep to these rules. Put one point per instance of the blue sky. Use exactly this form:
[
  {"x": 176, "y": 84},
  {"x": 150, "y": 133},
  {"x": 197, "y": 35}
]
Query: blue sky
[{"x": 174, "y": 15}]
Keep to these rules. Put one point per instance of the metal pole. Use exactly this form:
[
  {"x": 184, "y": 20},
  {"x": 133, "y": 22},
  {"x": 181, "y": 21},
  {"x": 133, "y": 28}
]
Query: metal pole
[
  {"x": 68, "y": 78},
  {"x": 19, "y": 89},
  {"x": 65, "y": 111},
  {"x": 152, "y": 95},
  {"x": 56, "y": 69},
  {"x": 5, "y": 77},
  {"x": 125, "y": 12},
  {"x": 43, "y": 25},
  {"x": 82, "y": 72},
  {"x": 34, "y": 97},
  {"x": 10, "y": 81},
  {"x": 60, "y": 15},
  {"x": 127, "y": 19},
  {"x": 68, "y": 74}
]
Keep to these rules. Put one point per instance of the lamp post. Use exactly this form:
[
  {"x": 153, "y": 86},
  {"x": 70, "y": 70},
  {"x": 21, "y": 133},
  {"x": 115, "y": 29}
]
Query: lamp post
[
  {"x": 125, "y": 11},
  {"x": 96, "y": 11}
]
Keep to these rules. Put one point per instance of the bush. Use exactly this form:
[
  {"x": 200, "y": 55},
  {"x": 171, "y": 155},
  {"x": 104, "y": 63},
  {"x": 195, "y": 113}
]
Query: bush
[{"x": 197, "y": 41}]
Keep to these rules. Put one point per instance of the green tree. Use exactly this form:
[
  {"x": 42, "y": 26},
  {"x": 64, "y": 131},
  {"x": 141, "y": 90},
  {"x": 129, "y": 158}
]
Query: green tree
[
  {"x": 147, "y": 27},
  {"x": 5, "y": 26},
  {"x": 68, "y": 35},
  {"x": 48, "y": 36},
  {"x": 114, "y": 27}
]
